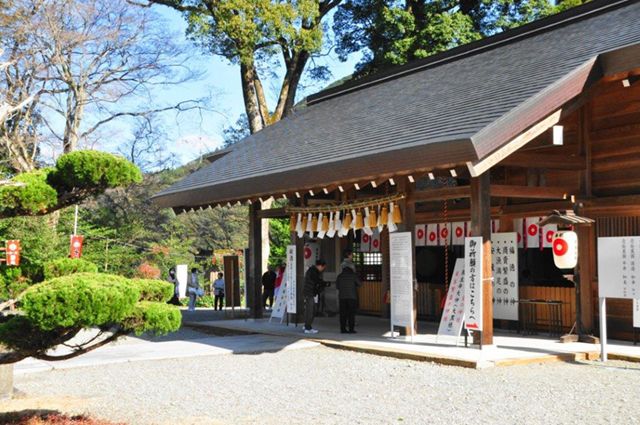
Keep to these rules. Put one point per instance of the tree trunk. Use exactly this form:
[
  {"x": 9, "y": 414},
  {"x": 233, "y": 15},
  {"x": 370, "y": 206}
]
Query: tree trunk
[{"x": 251, "y": 106}]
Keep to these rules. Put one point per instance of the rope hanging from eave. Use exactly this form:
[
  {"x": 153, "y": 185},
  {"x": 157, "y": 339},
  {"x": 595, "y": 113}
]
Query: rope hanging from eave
[{"x": 372, "y": 202}]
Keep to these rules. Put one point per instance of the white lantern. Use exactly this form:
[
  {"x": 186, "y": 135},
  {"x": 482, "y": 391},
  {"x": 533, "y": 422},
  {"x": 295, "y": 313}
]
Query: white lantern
[{"x": 565, "y": 249}]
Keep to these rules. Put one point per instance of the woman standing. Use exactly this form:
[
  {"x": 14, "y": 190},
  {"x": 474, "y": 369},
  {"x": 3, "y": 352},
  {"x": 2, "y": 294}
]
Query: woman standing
[
  {"x": 175, "y": 299},
  {"x": 193, "y": 288},
  {"x": 218, "y": 292}
]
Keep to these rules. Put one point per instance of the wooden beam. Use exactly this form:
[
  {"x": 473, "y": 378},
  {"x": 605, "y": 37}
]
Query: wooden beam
[
  {"x": 254, "y": 284},
  {"x": 481, "y": 226},
  {"x": 476, "y": 168},
  {"x": 496, "y": 191},
  {"x": 552, "y": 161},
  {"x": 273, "y": 213},
  {"x": 455, "y": 192}
]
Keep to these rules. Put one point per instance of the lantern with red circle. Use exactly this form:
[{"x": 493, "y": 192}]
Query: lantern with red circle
[
  {"x": 565, "y": 249},
  {"x": 75, "y": 247}
]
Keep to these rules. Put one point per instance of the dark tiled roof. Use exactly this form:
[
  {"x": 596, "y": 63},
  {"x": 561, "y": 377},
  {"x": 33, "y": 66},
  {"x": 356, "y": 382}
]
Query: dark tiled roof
[{"x": 448, "y": 109}]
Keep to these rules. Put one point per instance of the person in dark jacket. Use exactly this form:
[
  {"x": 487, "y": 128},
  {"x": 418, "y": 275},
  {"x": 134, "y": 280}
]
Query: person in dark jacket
[
  {"x": 313, "y": 285},
  {"x": 347, "y": 283},
  {"x": 268, "y": 285}
]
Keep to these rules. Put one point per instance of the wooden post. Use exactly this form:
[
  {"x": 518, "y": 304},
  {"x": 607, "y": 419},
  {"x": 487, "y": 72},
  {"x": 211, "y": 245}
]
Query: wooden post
[
  {"x": 586, "y": 272},
  {"x": 481, "y": 226},
  {"x": 386, "y": 281},
  {"x": 254, "y": 266}
]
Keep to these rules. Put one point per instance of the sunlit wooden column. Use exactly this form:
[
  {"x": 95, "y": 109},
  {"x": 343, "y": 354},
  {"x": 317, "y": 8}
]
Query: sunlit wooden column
[
  {"x": 481, "y": 226},
  {"x": 254, "y": 284}
]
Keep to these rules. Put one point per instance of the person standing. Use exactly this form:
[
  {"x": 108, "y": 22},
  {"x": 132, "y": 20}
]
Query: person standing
[
  {"x": 279, "y": 278},
  {"x": 347, "y": 283},
  {"x": 218, "y": 292},
  {"x": 193, "y": 288},
  {"x": 347, "y": 260},
  {"x": 175, "y": 299},
  {"x": 313, "y": 285},
  {"x": 268, "y": 285}
]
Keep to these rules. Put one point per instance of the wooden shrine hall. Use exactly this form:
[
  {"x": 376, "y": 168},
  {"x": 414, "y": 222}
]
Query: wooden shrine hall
[{"x": 488, "y": 137}]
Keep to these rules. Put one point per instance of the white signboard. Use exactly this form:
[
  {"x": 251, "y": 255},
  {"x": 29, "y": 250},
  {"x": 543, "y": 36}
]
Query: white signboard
[
  {"x": 504, "y": 262},
  {"x": 636, "y": 313},
  {"x": 280, "y": 303},
  {"x": 401, "y": 273},
  {"x": 473, "y": 283},
  {"x": 289, "y": 280},
  {"x": 453, "y": 313},
  {"x": 182, "y": 274},
  {"x": 619, "y": 267}
]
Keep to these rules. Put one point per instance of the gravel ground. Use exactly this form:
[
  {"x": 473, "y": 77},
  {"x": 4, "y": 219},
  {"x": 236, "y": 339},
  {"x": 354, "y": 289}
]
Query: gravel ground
[{"x": 326, "y": 386}]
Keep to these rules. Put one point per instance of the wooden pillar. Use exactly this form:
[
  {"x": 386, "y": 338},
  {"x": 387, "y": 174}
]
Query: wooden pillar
[
  {"x": 481, "y": 226},
  {"x": 386, "y": 281},
  {"x": 586, "y": 277},
  {"x": 254, "y": 284}
]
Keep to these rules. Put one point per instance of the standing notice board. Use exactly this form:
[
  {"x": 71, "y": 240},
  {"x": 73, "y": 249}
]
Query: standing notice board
[
  {"x": 636, "y": 313},
  {"x": 504, "y": 261},
  {"x": 401, "y": 274},
  {"x": 473, "y": 283},
  {"x": 290, "y": 280},
  {"x": 182, "y": 275},
  {"x": 619, "y": 267},
  {"x": 453, "y": 313}
]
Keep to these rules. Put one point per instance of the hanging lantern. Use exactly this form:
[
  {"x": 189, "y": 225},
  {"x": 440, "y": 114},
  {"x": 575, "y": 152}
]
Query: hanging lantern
[
  {"x": 299, "y": 228},
  {"x": 359, "y": 221},
  {"x": 384, "y": 215},
  {"x": 397, "y": 214},
  {"x": 565, "y": 249},
  {"x": 292, "y": 223}
]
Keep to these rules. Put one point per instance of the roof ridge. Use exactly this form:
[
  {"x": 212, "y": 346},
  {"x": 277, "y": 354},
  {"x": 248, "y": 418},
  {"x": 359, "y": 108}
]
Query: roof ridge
[{"x": 531, "y": 29}]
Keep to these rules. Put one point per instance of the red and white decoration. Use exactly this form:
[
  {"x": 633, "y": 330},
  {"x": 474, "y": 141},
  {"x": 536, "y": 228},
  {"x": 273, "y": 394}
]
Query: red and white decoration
[
  {"x": 75, "y": 246},
  {"x": 311, "y": 254},
  {"x": 365, "y": 242},
  {"x": 12, "y": 252},
  {"x": 548, "y": 233},
  {"x": 421, "y": 235},
  {"x": 459, "y": 232},
  {"x": 432, "y": 235},
  {"x": 565, "y": 249},
  {"x": 533, "y": 234},
  {"x": 375, "y": 241},
  {"x": 444, "y": 234},
  {"x": 518, "y": 226}
]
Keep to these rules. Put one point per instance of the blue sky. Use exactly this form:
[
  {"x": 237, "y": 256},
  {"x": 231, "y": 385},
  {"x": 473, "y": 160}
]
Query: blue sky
[{"x": 192, "y": 134}]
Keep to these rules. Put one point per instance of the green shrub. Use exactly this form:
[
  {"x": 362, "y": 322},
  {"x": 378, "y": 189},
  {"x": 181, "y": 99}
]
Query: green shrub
[
  {"x": 35, "y": 195},
  {"x": 153, "y": 317},
  {"x": 153, "y": 289},
  {"x": 67, "y": 266},
  {"x": 80, "y": 300},
  {"x": 89, "y": 169}
]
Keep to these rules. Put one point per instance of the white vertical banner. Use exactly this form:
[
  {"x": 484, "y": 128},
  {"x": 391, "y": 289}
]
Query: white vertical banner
[
  {"x": 432, "y": 235},
  {"x": 458, "y": 233},
  {"x": 533, "y": 232},
  {"x": 495, "y": 225},
  {"x": 473, "y": 283},
  {"x": 453, "y": 312},
  {"x": 290, "y": 280},
  {"x": 365, "y": 242},
  {"x": 280, "y": 303},
  {"x": 636, "y": 313},
  {"x": 504, "y": 261},
  {"x": 548, "y": 232},
  {"x": 182, "y": 274},
  {"x": 401, "y": 274},
  {"x": 375, "y": 241},
  {"x": 421, "y": 235},
  {"x": 445, "y": 234},
  {"x": 311, "y": 254}
]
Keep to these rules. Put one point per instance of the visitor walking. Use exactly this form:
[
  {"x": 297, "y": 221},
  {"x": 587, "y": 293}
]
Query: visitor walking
[
  {"x": 175, "y": 299},
  {"x": 347, "y": 283},
  {"x": 268, "y": 286},
  {"x": 218, "y": 292},
  {"x": 313, "y": 285},
  {"x": 193, "y": 288}
]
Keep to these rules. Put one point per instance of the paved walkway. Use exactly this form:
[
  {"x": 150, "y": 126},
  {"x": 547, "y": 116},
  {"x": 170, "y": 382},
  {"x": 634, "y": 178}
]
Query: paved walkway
[{"x": 374, "y": 337}]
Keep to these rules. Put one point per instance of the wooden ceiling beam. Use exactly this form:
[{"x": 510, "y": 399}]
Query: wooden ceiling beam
[
  {"x": 496, "y": 190},
  {"x": 544, "y": 160}
]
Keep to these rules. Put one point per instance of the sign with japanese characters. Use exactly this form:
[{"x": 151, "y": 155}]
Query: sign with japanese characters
[
  {"x": 290, "y": 279},
  {"x": 280, "y": 304},
  {"x": 453, "y": 313},
  {"x": 504, "y": 263},
  {"x": 636, "y": 313},
  {"x": 619, "y": 267},
  {"x": 473, "y": 283},
  {"x": 401, "y": 274}
]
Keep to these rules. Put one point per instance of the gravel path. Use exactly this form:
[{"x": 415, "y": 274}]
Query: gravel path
[{"x": 325, "y": 386}]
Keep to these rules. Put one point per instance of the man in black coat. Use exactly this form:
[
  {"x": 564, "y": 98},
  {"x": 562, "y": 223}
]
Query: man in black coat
[
  {"x": 268, "y": 285},
  {"x": 347, "y": 283},
  {"x": 313, "y": 285}
]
